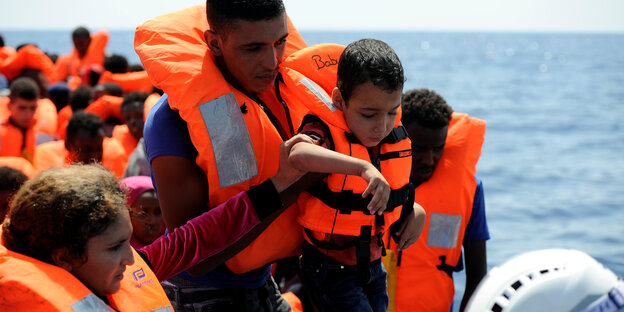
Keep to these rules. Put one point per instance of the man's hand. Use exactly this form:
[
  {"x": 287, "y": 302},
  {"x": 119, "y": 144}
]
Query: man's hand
[{"x": 411, "y": 228}]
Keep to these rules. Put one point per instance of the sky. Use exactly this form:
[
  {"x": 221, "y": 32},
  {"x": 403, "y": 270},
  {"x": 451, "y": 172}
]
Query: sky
[{"x": 407, "y": 15}]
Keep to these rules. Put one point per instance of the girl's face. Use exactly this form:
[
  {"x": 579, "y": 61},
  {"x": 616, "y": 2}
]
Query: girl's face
[
  {"x": 108, "y": 254},
  {"x": 147, "y": 220}
]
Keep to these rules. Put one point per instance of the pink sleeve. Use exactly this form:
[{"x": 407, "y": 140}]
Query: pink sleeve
[{"x": 202, "y": 237}]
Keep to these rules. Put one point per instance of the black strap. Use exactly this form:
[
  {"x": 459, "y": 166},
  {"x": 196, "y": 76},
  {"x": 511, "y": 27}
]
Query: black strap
[
  {"x": 324, "y": 244},
  {"x": 396, "y": 135},
  {"x": 347, "y": 201},
  {"x": 279, "y": 79},
  {"x": 363, "y": 254},
  {"x": 448, "y": 269}
]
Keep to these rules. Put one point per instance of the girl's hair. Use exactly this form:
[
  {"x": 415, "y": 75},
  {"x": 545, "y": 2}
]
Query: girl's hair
[{"x": 62, "y": 208}]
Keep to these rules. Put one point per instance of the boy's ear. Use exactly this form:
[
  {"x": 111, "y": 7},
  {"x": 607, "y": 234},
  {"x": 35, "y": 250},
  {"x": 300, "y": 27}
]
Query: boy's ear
[
  {"x": 337, "y": 99},
  {"x": 62, "y": 258},
  {"x": 212, "y": 40}
]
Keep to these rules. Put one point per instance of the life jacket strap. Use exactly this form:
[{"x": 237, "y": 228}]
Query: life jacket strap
[
  {"x": 363, "y": 254},
  {"x": 448, "y": 269},
  {"x": 396, "y": 135},
  {"x": 325, "y": 244},
  {"x": 346, "y": 201}
]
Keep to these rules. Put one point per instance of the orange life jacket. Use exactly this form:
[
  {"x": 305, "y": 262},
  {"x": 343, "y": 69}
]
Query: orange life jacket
[
  {"x": 150, "y": 101},
  {"x": 423, "y": 279},
  {"x": 18, "y": 163},
  {"x": 6, "y": 52},
  {"x": 14, "y": 142},
  {"x": 122, "y": 134},
  {"x": 132, "y": 81},
  {"x": 70, "y": 64},
  {"x": 219, "y": 129},
  {"x": 106, "y": 106},
  {"x": 28, "y": 56},
  {"x": 53, "y": 155},
  {"x": 28, "y": 284}
]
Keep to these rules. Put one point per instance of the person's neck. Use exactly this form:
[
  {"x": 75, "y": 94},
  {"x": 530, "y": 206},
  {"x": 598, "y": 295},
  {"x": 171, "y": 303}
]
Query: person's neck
[
  {"x": 230, "y": 78},
  {"x": 11, "y": 121}
]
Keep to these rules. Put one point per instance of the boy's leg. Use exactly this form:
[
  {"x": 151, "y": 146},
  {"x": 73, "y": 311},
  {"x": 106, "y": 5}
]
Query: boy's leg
[
  {"x": 376, "y": 290},
  {"x": 332, "y": 286}
]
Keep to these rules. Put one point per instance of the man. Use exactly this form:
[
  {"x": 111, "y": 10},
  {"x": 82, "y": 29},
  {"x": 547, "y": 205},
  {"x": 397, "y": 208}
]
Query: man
[
  {"x": 238, "y": 106},
  {"x": 445, "y": 149},
  {"x": 88, "y": 50},
  {"x": 85, "y": 143}
]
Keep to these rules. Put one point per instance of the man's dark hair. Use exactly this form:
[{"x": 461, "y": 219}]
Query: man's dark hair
[
  {"x": 425, "y": 107},
  {"x": 221, "y": 13},
  {"x": 82, "y": 120},
  {"x": 133, "y": 97},
  {"x": 1, "y": 41},
  {"x": 79, "y": 98},
  {"x": 369, "y": 60},
  {"x": 11, "y": 179},
  {"x": 25, "y": 88},
  {"x": 135, "y": 68},
  {"x": 110, "y": 88},
  {"x": 116, "y": 64},
  {"x": 80, "y": 32}
]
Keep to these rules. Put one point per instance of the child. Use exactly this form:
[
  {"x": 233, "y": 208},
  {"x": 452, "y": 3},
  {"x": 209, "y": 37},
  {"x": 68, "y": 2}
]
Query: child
[
  {"x": 362, "y": 136},
  {"x": 17, "y": 133},
  {"x": 65, "y": 241},
  {"x": 145, "y": 214}
]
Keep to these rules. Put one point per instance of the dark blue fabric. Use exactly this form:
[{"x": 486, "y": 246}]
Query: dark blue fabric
[
  {"x": 477, "y": 228},
  {"x": 335, "y": 287},
  {"x": 166, "y": 133}
]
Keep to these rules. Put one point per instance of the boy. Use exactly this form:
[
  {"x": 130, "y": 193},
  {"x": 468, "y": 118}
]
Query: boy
[
  {"x": 341, "y": 259},
  {"x": 17, "y": 134}
]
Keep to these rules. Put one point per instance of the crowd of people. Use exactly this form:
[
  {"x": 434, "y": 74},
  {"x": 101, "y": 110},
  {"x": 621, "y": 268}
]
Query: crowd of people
[{"x": 229, "y": 172}]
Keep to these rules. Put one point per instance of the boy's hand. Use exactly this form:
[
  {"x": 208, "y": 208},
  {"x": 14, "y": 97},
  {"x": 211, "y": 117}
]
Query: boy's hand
[
  {"x": 411, "y": 228},
  {"x": 287, "y": 174},
  {"x": 378, "y": 186}
]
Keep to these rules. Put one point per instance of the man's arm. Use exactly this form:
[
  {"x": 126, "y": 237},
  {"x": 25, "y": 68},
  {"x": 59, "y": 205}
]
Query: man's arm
[{"x": 476, "y": 268}]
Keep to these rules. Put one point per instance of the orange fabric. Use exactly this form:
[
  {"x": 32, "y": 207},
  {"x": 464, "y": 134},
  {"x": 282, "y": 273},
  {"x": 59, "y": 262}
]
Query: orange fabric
[
  {"x": 18, "y": 163},
  {"x": 62, "y": 120},
  {"x": 12, "y": 141},
  {"x": 6, "y": 52},
  {"x": 122, "y": 134},
  {"x": 190, "y": 77},
  {"x": 46, "y": 117},
  {"x": 28, "y": 56},
  {"x": 293, "y": 301},
  {"x": 53, "y": 154},
  {"x": 132, "y": 81},
  {"x": 150, "y": 101},
  {"x": 420, "y": 286},
  {"x": 28, "y": 284},
  {"x": 70, "y": 64},
  {"x": 106, "y": 106}
]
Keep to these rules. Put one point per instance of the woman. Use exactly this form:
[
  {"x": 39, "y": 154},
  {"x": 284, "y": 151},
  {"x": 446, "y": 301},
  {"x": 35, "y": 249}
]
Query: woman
[{"x": 75, "y": 220}]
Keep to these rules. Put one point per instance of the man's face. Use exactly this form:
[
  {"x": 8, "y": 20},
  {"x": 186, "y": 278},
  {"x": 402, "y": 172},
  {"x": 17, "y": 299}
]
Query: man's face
[
  {"x": 23, "y": 111},
  {"x": 81, "y": 44},
  {"x": 133, "y": 117},
  {"x": 427, "y": 148},
  {"x": 250, "y": 52},
  {"x": 370, "y": 113},
  {"x": 85, "y": 148}
]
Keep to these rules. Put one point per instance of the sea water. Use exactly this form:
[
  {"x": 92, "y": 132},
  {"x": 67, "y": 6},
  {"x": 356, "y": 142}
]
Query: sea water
[{"x": 553, "y": 159}]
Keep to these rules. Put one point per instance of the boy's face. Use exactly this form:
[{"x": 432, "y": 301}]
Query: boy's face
[
  {"x": 23, "y": 111},
  {"x": 427, "y": 148},
  {"x": 370, "y": 113},
  {"x": 81, "y": 44},
  {"x": 85, "y": 148},
  {"x": 251, "y": 51},
  {"x": 133, "y": 116},
  {"x": 146, "y": 217}
]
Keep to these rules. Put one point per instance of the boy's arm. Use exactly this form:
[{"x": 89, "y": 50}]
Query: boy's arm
[
  {"x": 410, "y": 229},
  {"x": 313, "y": 158}
]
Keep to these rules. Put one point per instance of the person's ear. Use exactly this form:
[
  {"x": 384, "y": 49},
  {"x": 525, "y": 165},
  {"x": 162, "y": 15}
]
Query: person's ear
[
  {"x": 337, "y": 99},
  {"x": 62, "y": 258},
  {"x": 212, "y": 40}
]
